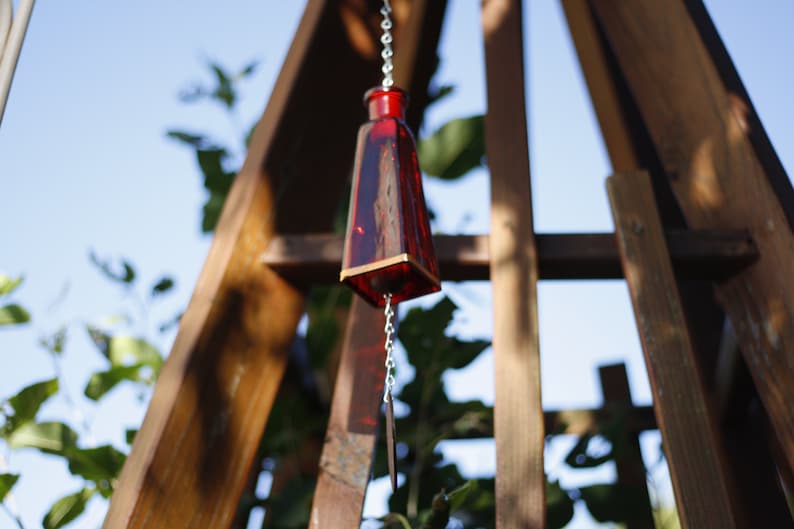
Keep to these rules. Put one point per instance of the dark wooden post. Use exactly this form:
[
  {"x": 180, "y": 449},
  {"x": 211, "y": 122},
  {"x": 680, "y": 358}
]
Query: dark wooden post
[{"x": 630, "y": 467}]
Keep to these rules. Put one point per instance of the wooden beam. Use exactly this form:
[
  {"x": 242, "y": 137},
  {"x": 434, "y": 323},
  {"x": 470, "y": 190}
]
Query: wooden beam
[
  {"x": 518, "y": 412},
  {"x": 190, "y": 460},
  {"x": 682, "y": 409},
  {"x": 572, "y": 421},
  {"x": 346, "y": 460},
  {"x": 315, "y": 258},
  {"x": 699, "y": 129},
  {"x": 352, "y": 428}
]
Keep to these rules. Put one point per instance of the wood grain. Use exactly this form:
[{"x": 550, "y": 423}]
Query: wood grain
[
  {"x": 683, "y": 412},
  {"x": 346, "y": 460},
  {"x": 315, "y": 258},
  {"x": 190, "y": 460},
  {"x": 518, "y": 411},
  {"x": 353, "y": 425},
  {"x": 699, "y": 129}
]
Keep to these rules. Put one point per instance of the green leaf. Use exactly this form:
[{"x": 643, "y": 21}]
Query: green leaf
[
  {"x": 6, "y": 483},
  {"x": 128, "y": 351},
  {"x": 194, "y": 140},
  {"x": 55, "y": 342},
  {"x": 211, "y": 211},
  {"x": 439, "y": 94},
  {"x": 216, "y": 178},
  {"x": 103, "y": 381},
  {"x": 459, "y": 494},
  {"x": 459, "y": 354},
  {"x": 100, "y": 338},
  {"x": 49, "y": 437},
  {"x": 13, "y": 314},
  {"x": 454, "y": 149},
  {"x": 8, "y": 285},
  {"x": 125, "y": 276},
  {"x": 27, "y": 402},
  {"x": 247, "y": 70},
  {"x": 99, "y": 464},
  {"x": 321, "y": 335},
  {"x": 559, "y": 506},
  {"x": 615, "y": 502},
  {"x": 224, "y": 92},
  {"x": 67, "y": 509},
  {"x": 163, "y": 285},
  {"x": 422, "y": 330},
  {"x": 129, "y": 435}
]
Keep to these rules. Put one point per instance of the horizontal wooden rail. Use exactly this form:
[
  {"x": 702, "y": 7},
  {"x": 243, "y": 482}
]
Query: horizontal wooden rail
[
  {"x": 570, "y": 422},
  {"x": 701, "y": 254}
]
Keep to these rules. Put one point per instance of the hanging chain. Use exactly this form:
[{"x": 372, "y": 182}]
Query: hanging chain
[
  {"x": 389, "y": 346},
  {"x": 386, "y": 40}
]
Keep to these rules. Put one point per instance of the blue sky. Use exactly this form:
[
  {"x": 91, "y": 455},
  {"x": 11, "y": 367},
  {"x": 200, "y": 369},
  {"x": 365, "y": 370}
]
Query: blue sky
[{"x": 84, "y": 163}]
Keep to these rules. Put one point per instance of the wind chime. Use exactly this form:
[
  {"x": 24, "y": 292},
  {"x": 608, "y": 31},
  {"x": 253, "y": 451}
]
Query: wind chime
[{"x": 388, "y": 255}]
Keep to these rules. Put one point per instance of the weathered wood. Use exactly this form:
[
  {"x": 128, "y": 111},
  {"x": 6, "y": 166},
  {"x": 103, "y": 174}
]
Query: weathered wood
[
  {"x": 315, "y": 258},
  {"x": 190, "y": 459},
  {"x": 518, "y": 413},
  {"x": 631, "y": 148},
  {"x": 754, "y": 130},
  {"x": 682, "y": 409},
  {"x": 630, "y": 466},
  {"x": 352, "y": 428},
  {"x": 699, "y": 130}
]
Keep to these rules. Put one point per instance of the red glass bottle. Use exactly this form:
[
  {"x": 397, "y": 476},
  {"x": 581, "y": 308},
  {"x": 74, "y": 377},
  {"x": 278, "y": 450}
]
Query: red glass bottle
[{"x": 388, "y": 244}]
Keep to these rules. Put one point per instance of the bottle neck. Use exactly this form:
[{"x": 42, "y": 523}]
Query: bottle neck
[{"x": 383, "y": 102}]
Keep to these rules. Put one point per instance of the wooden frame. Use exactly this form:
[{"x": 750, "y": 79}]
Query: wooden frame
[{"x": 715, "y": 207}]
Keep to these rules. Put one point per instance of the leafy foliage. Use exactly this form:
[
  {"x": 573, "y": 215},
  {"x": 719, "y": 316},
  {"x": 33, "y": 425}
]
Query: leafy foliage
[
  {"x": 13, "y": 314},
  {"x": 454, "y": 149},
  {"x": 213, "y": 157},
  {"x": 7, "y": 482},
  {"x": 67, "y": 509},
  {"x": 130, "y": 358}
]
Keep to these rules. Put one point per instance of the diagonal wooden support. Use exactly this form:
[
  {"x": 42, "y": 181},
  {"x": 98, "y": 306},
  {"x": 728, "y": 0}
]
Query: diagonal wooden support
[
  {"x": 652, "y": 62},
  {"x": 353, "y": 426},
  {"x": 346, "y": 460},
  {"x": 190, "y": 459},
  {"x": 518, "y": 412},
  {"x": 682, "y": 409}
]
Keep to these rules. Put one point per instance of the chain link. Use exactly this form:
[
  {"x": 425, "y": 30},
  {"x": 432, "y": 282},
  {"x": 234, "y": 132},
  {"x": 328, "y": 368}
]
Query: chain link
[
  {"x": 386, "y": 40},
  {"x": 389, "y": 346}
]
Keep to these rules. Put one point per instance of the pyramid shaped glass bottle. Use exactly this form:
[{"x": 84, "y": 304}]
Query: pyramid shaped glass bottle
[{"x": 388, "y": 244}]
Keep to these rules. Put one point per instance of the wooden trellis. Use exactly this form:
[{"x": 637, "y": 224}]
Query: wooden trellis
[{"x": 700, "y": 202}]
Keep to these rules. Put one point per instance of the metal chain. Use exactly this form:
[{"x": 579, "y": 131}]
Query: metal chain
[
  {"x": 386, "y": 40},
  {"x": 389, "y": 346}
]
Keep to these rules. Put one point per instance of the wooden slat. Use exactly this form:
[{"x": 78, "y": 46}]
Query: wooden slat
[
  {"x": 190, "y": 459},
  {"x": 347, "y": 454},
  {"x": 630, "y": 466},
  {"x": 352, "y": 427},
  {"x": 518, "y": 413},
  {"x": 682, "y": 410},
  {"x": 315, "y": 258},
  {"x": 699, "y": 131}
]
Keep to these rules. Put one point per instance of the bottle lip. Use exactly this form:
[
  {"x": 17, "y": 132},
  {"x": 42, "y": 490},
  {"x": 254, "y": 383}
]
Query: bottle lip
[{"x": 381, "y": 90}]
